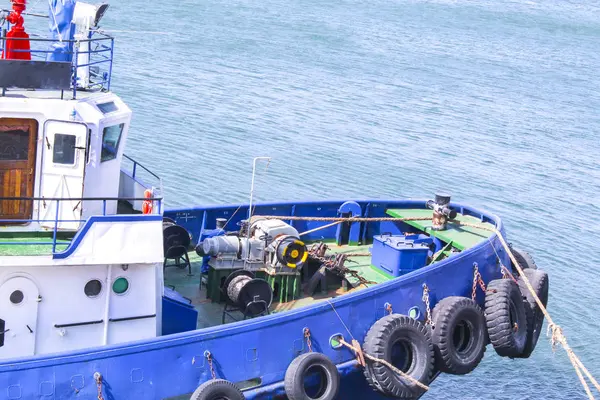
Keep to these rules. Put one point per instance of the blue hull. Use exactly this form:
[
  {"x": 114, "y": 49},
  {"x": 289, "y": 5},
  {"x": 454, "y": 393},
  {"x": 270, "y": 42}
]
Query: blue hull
[{"x": 256, "y": 349}]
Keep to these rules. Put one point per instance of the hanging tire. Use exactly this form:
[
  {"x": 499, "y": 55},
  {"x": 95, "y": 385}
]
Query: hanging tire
[
  {"x": 460, "y": 335},
  {"x": 535, "y": 317},
  {"x": 405, "y": 343},
  {"x": 524, "y": 259},
  {"x": 506, "y": 317},
  {"x": 307, "y": 366},
  {"x": 217, "y": 389}
]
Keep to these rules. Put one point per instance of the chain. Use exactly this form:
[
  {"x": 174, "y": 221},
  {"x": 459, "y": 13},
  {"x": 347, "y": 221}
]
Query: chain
[
  {"x": 428, "y": 320},
  {"x": 477, "y": 280},
  {"x": 388, "y": 308},
  {"x": 307, "y": 336},
  {"x": 209, "y": 358},
  {"x": 98, "y": 379},
  {"x": 335, "y": 263},
  {"x": 507, "y": 274}
]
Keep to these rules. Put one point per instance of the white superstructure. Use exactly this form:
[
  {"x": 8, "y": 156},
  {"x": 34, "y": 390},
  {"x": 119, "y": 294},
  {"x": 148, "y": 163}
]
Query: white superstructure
[{"x": 80, "y": 264}]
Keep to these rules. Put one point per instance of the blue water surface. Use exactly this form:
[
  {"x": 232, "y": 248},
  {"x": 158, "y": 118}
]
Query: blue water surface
[{"x": 496, "y": 102}]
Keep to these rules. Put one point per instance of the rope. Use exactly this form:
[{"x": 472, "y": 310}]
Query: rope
[
  {"x": 404, "y": 375},
  {"x": 320, "y": 227},
  {"x": 341, "y": 219},
  {"x": 557, "y": 335},
  {"x": 359, "y": 354},
  {"x": 340, "y": 318}
]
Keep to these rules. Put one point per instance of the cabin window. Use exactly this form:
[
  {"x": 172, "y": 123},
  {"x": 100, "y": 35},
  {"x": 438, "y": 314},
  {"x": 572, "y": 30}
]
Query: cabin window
[
  {"x": 111, "y": 137},
  {"x": 63, "y": 151},
  {"x": 14, "y": 143},
  {"x": 93, "y": 288},
  {"x": 16, "y": 297},
  {"x": 120, "y": 285},
  {"x": 107, "y": 108}
]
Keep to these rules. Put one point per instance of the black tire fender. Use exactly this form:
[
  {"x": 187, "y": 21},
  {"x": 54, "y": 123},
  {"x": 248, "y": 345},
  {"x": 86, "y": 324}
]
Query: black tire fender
[
  {"x": 524, "y": 259},
  {"x": 304, "y": 364},
  {"x": 535, "y": 317},
  {"x": 506, "y": 317},
  {"x": 217, "y": 389},
  {"x": 391, "y": 338},
  {"x": 459, "y": 337}
]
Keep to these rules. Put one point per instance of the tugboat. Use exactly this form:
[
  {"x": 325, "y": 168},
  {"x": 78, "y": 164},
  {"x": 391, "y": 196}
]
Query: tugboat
[{"x": 105, "y": 294}]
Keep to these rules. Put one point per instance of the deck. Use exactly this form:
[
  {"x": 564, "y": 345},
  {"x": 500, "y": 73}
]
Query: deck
[
  {"x": 210, "y": 313},
  {"x": 359, "y": 260}
]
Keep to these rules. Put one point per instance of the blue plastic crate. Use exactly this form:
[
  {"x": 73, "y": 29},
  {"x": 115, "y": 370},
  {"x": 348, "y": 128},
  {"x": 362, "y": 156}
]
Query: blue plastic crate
[{"x": 398, "y": 255}]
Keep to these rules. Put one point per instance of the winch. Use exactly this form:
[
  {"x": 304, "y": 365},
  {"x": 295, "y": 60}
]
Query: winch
[
  {"x": 271, "y": 244},
  {"x": 441, "y": 211}
]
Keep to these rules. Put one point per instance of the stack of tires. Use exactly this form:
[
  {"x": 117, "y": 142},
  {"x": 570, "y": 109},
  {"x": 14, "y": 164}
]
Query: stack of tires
[
  {"x": 514, "y": 319},
  {"x": 460, "y": 331},
  {"x": 454, "y": 343}
]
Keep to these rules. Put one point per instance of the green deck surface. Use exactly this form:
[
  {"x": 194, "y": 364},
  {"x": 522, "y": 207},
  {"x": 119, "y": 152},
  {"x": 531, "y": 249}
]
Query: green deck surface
[
  {"x": 462, "y": 237},
  {"x": 361, "y": 264},
  {"x": 21, "y": 246}
]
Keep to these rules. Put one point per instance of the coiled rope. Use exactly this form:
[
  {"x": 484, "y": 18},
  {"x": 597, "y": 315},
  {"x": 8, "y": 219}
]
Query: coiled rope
[{"x": 554, "y": 330}]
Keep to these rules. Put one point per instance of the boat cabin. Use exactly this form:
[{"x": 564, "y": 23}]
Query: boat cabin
[{"x": 80, "y": 264}]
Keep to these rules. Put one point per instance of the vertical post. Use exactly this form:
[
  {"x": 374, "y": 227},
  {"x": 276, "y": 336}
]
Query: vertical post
[
  {"x": 107, "y": 304},
  {"x": 4, "y": 31},
  {"x": 3, "y": 53},
  {"x": 268, "y": 159},
  {"x": 55, "y": 226},
  {"x": 112, "y": 50},
  {"x": 104, "y": 207},
  {"x": 74, "y": 63},
  {"x": 134, "y": 169}
]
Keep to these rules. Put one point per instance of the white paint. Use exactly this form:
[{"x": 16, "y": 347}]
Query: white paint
[
  {"x": 62, "y": 180},
  {"x": 131, "y": 188},
  {"x": 20, "y": 319},
  {"x": 101, "y": 179},
  {"x": 63, "y": 301},
  {"x": 56, "y": 314}
]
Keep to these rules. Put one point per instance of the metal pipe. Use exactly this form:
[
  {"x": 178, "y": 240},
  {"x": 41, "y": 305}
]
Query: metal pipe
[
  {"x": 107, "y": 304},
  {"x": 256, "y": 159}
]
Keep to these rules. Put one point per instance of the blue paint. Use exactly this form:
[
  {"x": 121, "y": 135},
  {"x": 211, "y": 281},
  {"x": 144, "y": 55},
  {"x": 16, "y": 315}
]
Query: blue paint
[
  {"x": 179, "y": 315},
  {"x": 257, "y": 348},
  {"x": 349, "y": 209},
  {"x": 60, "y": 16},
  {"x": 397, "y": 255}
]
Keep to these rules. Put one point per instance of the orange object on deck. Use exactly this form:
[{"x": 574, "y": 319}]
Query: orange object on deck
[
  {"x": 147, "y": 204},
  {"x": 17, "y": 40}
]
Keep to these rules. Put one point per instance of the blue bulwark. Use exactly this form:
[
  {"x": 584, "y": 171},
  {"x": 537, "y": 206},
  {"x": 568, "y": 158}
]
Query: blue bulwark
[{"x": 100, "y": 218}]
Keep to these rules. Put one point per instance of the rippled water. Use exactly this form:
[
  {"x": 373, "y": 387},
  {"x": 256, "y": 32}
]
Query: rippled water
[{"x": 496, "y": 102}]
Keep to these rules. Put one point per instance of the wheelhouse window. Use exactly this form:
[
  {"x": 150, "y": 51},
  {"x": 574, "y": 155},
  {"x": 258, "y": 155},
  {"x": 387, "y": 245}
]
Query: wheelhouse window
[
  {"x": 14, "y": 143},
  {"x": 111, "y": 136},
  {"x": 63, "y": 151}
]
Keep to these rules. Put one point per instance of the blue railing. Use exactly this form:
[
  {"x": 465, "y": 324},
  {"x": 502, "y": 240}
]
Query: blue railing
[
  {"x": 101, "y": 51},
  {"x": 157, "y": 209},
  {"x": 141, "y": 174}
]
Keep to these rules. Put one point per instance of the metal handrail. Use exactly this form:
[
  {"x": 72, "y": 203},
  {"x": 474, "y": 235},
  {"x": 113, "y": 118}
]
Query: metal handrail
[
  {"x": 136, "y": 164},
  {"x": 58, "y": 208},
  {"x": 95, "y": 36}
]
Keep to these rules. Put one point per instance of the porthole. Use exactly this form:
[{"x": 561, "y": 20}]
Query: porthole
[
  {"x": 120, "y": 285},
  {"x": 16, "y": 297},
  {"x": 93, "y": 288}
]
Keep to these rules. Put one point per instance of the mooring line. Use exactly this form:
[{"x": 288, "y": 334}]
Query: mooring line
[{"x": 557, "y": 336}]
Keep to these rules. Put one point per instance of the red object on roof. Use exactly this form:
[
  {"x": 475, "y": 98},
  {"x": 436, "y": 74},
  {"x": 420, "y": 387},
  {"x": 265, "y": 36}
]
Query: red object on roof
[{"x": 17, "y": 48}]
